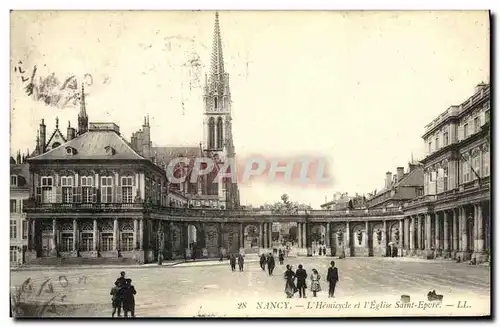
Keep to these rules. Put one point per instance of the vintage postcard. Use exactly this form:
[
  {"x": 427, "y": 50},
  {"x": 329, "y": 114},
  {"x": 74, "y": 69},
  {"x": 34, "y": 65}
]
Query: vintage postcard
[{"x": 250, "y": 164}]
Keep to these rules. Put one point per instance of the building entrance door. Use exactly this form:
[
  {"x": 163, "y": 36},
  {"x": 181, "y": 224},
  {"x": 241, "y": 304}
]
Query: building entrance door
[{"x": 46, "y": 244}]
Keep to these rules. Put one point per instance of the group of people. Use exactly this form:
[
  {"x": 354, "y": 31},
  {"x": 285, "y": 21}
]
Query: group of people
[
  {"x": 300, "y": 275},
  {"x": 232, "y": 262},
  {"x": 269, "y": 261},
  {"x": 123, "y": 296},
  {"x": 321, "y": 251}
]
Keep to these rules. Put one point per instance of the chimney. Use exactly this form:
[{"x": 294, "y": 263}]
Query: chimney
[
  {"x": 388, "y": 180},
  {"x": 412, "y": 167},
  {"x": 70, "y": 132},
  {"x": 18, "y": 158},
  {"x": 43, "y": 137},
  {"x": 400, "y": 173}
]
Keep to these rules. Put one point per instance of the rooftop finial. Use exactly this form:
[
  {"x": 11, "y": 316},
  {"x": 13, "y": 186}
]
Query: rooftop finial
[
  {"x": 69, "y": 123},
  {"x": 148, "y": 119},
  {"x": 57, "y": 122}
]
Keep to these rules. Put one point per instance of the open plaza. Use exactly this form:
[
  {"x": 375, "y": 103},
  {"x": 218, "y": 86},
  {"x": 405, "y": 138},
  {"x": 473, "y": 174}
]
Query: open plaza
[{"x": 210, "y": 288}]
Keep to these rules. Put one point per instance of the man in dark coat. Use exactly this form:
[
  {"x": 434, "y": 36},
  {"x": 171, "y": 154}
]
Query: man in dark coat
[
  {"x": 270, "y": 264},
  {"x": 332, "y": 277},
  {"x": 128, "y": 298},
  {"x": 263, "y": 262},
  {"x": 240, "y": 262},
  {"x": 121, "y": 279},
  {"x": 301, "y": 276},
  {"x": 232, "y": 261}
]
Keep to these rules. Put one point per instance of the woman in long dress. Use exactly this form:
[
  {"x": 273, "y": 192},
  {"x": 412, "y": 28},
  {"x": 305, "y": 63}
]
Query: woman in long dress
[
  {"x": 315, "y": 286},
  {"x": 290, "y": 288}
]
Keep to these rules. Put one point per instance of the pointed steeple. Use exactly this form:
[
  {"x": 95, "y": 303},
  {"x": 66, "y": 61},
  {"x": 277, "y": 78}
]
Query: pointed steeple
[
  {"x": 83, "y": 109},
  {"x": 83, "y": 119},
  {"x": 217, "y": 62}
]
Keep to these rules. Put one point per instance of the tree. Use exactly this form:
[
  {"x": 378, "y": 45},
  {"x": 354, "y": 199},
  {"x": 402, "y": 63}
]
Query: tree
[{"x": 286, "y": 206}]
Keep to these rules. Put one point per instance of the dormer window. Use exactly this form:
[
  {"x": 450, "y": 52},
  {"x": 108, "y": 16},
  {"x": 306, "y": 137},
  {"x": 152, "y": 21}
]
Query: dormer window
[
  {"x": 55, "y": 144},
  {"x": 110, "y": 151},
  {"x": 70, "y": 151},
  {"x": 13, "y": 180}
]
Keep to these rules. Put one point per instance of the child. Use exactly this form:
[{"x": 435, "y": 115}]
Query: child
[
  {"x": 315, "y": 286},
  {"x": 116, "y": 299}
]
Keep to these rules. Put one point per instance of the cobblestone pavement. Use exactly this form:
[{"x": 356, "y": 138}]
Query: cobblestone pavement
[{"x": 198, "y": 290}]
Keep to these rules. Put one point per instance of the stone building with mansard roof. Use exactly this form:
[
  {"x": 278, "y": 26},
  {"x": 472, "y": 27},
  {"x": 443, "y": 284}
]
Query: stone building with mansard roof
[
  {"x": 453, "y": 216},
  {"x": 90, "y": 186}
]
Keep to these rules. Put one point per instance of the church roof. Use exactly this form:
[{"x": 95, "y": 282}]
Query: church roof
[
  {"x": 93, "y": 145},
  {"x": 167, "y": 153}
]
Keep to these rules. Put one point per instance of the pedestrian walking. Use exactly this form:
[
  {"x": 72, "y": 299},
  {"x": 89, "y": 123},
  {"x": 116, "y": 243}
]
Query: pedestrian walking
[
  {"x": 332, "y": 277},
  {"x": 240, "y": 262},
  {"x": 232, "y": 262},
  {"x": 290, "y": 288},
  {"x": 116, "y": 299},
  {"x": 281, "y": 257},
  {"x": 263, "y": 261},
  {"x": 128, "y": 299},
  {"x": 315, "y": 286},
  {"x": 301, "y": 276},
  {"x": 270, "y": 263}
]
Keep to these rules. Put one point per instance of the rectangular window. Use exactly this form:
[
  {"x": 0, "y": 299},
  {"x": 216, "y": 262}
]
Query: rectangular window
[
  {"x": 13, "y": 180},
  {"x": 87, "y": 242},
  {"x": 25, "y": 229},
  {"x": 13, "y": 229},
  {"x": 106, "y": 241},
  {"x": 13, "y": 206},
  {"x": 476, "y": 166},
  {"x": 107, "y": 189},
  {"x": 446, "y": 140},
  {"x": 87, "y": 194},
  {"x": 466, "y": 171},
  {"x": 430, "y": 147},
  {"x": 67, "y": 242},
  {"x": 477, "y": 125},
  {"x": 127, "y": 242},
  {"x": 13, "y": 254},
  {"x": 127, "y": 189},
  {"x": 46, "y": 183},
  {"x": 67, "y": 189},
  {"x": 437, "y": 143},
  {"x": 486, "y": 163},
  {"x": 466, "y": 131}
]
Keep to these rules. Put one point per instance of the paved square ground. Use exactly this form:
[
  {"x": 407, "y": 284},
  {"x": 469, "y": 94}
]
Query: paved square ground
[{"x": 211, "y": 289}]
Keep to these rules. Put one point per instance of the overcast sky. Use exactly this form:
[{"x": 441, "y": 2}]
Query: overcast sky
[{"x": 355, "y": 87}]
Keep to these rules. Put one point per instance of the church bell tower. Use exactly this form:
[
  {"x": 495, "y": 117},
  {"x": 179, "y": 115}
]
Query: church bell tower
[{"x": 217, "y": 134}]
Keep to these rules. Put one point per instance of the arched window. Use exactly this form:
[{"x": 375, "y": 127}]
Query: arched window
[
  {"x": 211, "y": 133},
  {"x": 220, "y": 135},
  {"x": 215, "y": 103},
  {"x": 55, "y": 145}
]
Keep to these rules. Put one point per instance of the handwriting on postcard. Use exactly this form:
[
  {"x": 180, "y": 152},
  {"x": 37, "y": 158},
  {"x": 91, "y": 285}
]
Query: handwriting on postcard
[{"x": 35, "y": 299}]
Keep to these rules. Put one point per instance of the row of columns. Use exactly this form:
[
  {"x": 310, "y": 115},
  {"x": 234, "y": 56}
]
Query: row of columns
[
  {"x": 137, "y": 234},
  {"x": 447, "y": 234}
]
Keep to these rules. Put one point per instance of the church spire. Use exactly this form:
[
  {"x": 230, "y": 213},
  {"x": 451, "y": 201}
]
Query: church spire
[
  {"x": 217, "y": 62},
  {"x": 83, "y": 119}
]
